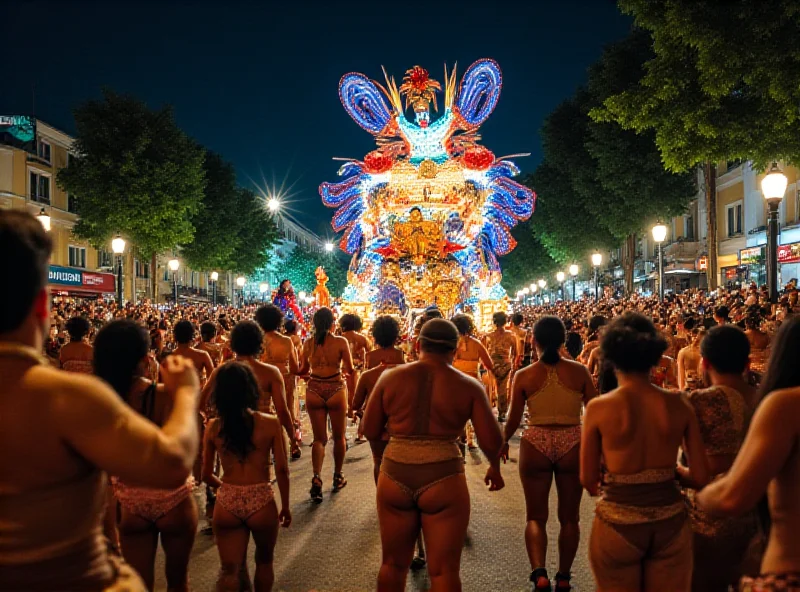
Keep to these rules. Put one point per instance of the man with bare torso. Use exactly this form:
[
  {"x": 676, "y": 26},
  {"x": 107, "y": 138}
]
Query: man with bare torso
[
  {"x": 502, "y": 346},
  {"x": 184, "y": 334}
]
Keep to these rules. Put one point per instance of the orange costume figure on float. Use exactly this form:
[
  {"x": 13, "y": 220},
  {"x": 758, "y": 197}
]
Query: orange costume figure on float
[{"x": 321, "y": 293}]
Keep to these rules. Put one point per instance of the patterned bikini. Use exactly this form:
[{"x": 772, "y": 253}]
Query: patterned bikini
[{"x": 244, "y": 500}]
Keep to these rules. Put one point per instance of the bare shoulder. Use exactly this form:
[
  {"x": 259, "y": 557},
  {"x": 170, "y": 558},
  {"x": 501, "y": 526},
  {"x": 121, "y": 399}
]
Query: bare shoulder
[{"x": 785, "y": 402}]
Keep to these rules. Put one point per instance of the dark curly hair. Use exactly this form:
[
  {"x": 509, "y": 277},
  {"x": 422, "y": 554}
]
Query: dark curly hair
[
  {"x": 500, "y": 319},
  {"x": 550, "y": 335},
  {"x": 78, "y": 327},
  {"x": 350, "y": 322},
  {"x": 183, "y": 331},
  {"x": 464, "y": 324},
  {"x": 632, "y": 343},
  {"x": 290, "y": 326},
  {"x": 208, "y": 331},
  {"x": 235, "y": 393},
  {"x": 246, "y": 338},
  {"x": 726, "y": 348},
  {"x": 269, "y": 317},
  {"x": 385, "y": 330}
]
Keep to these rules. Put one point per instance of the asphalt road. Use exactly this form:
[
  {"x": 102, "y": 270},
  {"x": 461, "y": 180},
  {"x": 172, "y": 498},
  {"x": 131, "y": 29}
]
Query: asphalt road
[{"x": 335, "y": 546}]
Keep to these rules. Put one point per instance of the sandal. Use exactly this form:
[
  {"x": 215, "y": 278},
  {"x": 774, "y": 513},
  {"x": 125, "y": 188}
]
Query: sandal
[
  {"x": 316, "y": 489},
  {"x": 296, "y": 453},
  {"x": 338, "y": 482},
  {"x": 563, "y": 579},
  {"x": 541, "y": 583}
]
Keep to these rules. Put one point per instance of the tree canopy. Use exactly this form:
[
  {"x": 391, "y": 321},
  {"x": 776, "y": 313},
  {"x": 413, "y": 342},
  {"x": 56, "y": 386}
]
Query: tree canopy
[
  {"x": 300, "y": 265},
  {"x": 528, "y": 262},
  {"x": 136, "y": 173}
]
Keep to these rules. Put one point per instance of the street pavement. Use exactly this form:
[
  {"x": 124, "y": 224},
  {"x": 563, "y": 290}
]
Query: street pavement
[{"x": 335, "y": 546}]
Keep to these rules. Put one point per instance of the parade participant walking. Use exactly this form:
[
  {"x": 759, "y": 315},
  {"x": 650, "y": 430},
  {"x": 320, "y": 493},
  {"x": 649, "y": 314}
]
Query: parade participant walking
[
  {"x": 723, "y": 411},
  {"x": 385, "y": 332},
  {"x": 522, "y": 338},
  {"x": 424, "y": 407},
  {"x": 470, "y": 353},
  {"x": 286, "y": 301},
  {"x": 278, "y": 350},
  {"x": 183, "y": 334},
  {"x": 502, "y": 346},
  {"x": 769, "y": 462},
  {"x": 76, "y": 356},
  {"x": 554, "y": 391},
  {"x": 208, "y": 332},
  {"x": 326, "y": 357},
  {"x": 689, "y": 374},
  {"x": 246, "y": 441},
  {"x": 146, "y": 513},
  {"x": 60, "y": 433},
  {"x": 641, "y": 539},
  {"x": 350, "y": 325}
]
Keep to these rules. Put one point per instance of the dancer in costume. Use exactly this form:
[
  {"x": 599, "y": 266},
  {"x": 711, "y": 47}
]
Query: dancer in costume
[{"x": 286, "y": 300}]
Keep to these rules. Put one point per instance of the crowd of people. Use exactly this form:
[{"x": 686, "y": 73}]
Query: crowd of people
[{"x": 680, "y": 415}]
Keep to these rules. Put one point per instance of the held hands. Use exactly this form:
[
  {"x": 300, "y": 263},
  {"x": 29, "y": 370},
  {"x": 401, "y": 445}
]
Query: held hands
[
  {"x": 504, "y": 456},
  {"x": 178, "y": 372},
  {"x": 494, "y": 479},
  {"x": 285, "y": 517}
]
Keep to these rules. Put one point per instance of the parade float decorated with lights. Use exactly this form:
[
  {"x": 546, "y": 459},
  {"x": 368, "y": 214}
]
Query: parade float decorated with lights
[{"x": 426, "y": 214}]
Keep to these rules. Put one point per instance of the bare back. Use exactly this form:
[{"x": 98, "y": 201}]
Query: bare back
[{"x": 255, "y": 468}]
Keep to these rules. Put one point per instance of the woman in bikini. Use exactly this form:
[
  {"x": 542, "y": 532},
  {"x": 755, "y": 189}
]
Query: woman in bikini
[
  {"x": 278, "y": 350},
  {"x": 120, "y": 359},
  {"x": 689, "y": 372},
  {"x": 326, "y": 357},
  {"x": 76, "y": 356},
  {"x": 424, "y": 407},
  {"x": 554, "y": 390},
  {"x": 246, "y": 441},
  {"x": 385, "y": 332},
  {"x": 641, "y": 538}
]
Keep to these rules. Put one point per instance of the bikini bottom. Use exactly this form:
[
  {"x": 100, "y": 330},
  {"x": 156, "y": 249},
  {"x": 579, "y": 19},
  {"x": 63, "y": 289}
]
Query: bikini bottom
[
  {"x": 554, "y": 443},
  {"x": 416, "y": 479},
  {"x": 150, "y": 504},
  {"x": 244, "y": 500},
  {"x": 771, "y": 582},
  {"x": 325, "y": 389}
]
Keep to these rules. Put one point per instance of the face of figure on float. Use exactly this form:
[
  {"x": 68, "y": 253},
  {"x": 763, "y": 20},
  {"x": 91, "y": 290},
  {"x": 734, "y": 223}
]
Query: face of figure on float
[
  {"x": 416, "y": 215},
  {"x": 286, "y": 286}
]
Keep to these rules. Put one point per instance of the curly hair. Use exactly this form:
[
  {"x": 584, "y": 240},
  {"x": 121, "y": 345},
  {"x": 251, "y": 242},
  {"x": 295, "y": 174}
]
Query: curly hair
[
  {"x": 269, "y": 317},
  {"x": 464, "y": 324},
  {"x": 246, "y": 338},
  {"x": 78, "y": 327},
  {"x": 385, "y": 330},
  {"x": 632, "y": 343}
]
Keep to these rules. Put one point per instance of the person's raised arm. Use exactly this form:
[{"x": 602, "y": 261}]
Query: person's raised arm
[
  {"x": 210, "y": 454},
  {"x": 281, "y": 473},
  {"x": 590, "y": 450},
  {"x": 374, "y": 421},
  {"x": 769, "y": 441},
  {"x": 98, "y": 425}
]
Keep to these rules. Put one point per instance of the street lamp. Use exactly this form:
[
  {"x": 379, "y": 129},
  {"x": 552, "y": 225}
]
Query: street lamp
[
  {"x": 263, "y": 287},
  {"x": 240, "y": 281},
  {"x": 214, "y": 279},
  {"x": 44, "y": 219},
  {"x": 573, "y": 271},
  {"x": 597, "y": 261},
  {"x": 329, "y": 247},
  {"x": 773, "y": 186},
  {"x": 560, "y": 279},
  {"x": 659, "y": 235},
  {"x": 273, "y": 204},
  {"x": 118, "y": 247},
  {"x": 173, "y": 265}
]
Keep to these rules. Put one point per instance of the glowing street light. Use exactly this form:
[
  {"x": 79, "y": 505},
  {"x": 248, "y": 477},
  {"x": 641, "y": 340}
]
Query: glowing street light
[
  {"x": 773, "y": 186},
  {"x": 214, "y": 278},
  {"x": 659, "y": 235},
  {"x": 534, "y": 287},
  {"x": 302, "y": 295},
  {"x": 241, "y": 281},
  {"x": 44, "y": 219},
  {"x": 573, "y": 271},
  {"x": 560, "y": 277},
  {"x": 173, "y": 265},
  {"x": 273, "y": 204},
  {"x": 597, "y": 261},
  {"x": 118, "y": 247},
  {"x": 329, "y": 247},
  {"x": 263, "y": 287},
  {"x": 542, "y": 284}
]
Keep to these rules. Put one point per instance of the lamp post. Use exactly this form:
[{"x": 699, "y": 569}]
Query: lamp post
[
  {"x": 659, "y": 234},
  {"x": 263, "y": 287},
  {"x": 173, "y": 265},
  {"x": 44, "y": 219},
  {"x": 214, "y": 278},
  {"x": 118, "y": 247},
  {"x": 573, "y": 271},
  {"x": 773, "y": 186},
  {"x": 560, "y": 279},
  {"x": 240, "y": 281},
  {"x": 597, "y": 261},
  {"x": 532, "y": 291}
]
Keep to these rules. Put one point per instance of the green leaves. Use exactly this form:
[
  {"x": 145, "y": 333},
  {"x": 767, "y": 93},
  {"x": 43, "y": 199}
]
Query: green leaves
[{"x": 300, "y": 265}]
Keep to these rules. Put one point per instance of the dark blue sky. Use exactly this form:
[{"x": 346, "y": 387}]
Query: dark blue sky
[{"x": 257, "y": 80}]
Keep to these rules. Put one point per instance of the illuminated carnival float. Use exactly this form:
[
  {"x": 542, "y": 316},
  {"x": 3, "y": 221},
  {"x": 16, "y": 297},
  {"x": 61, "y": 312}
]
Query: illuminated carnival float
[{"x": 427, "y": 214}]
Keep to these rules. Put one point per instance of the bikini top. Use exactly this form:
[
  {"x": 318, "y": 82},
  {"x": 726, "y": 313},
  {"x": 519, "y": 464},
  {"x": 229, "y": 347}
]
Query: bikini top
[
  {"x": 466, "y": 359},
  {"x": 722, "y": 414},
  {"x": 554, "y": 403},
  {"x": 282, "y": 363}
]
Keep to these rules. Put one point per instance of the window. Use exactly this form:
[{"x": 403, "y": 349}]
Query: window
[
  {"x": 43, "y": 150},
  {"x": 689, "y": 227},
  {"x": 72, "y": 204},
  {"x": 142, "y": 269},
  {"x": 77, "y": 256},
  {"x": 40, "y": 187},
  {"x": 105, "y": 258},
  {"x": 734, "y": 218}
]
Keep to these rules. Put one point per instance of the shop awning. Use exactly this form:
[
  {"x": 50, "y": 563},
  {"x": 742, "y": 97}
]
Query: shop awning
[{"x": 80, "y": 281}]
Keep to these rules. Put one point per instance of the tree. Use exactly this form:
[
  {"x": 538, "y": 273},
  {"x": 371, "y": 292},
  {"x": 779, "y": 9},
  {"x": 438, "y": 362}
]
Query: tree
[
  {"x": 255, "y": 234},
  {"x": 135, "y": 174},
  {"x": 706, "y": 99},
  {"x": 300, "y": 265},
  {"x": 528, "y": 262}
]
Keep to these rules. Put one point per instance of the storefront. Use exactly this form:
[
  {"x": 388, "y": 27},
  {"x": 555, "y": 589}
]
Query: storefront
[
  {"x": 754, "y": 260},
  {"x": 788, "y": 262},
  {"x": 69, "y": 281}
]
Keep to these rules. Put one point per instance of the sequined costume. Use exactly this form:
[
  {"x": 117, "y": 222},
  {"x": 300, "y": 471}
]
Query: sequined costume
[
  {"x": 244, "y": 500},
  {"x": 771, "y": 583},
  {"x": 287, "y": 302},
  {"x": 78, "y": 366}
]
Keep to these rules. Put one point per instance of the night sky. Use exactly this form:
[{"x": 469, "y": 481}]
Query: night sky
[{"x": 257, "y": 81}]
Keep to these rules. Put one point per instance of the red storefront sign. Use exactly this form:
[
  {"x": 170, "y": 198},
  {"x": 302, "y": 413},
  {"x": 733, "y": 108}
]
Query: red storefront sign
[
  {"x": 702, "y": 263},
  {"x": 789, "y": 253},
  {"x": 70, "y": 279}
]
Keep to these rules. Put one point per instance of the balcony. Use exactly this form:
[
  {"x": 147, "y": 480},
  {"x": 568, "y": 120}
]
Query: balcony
[{"x": 683, "y": 251}]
